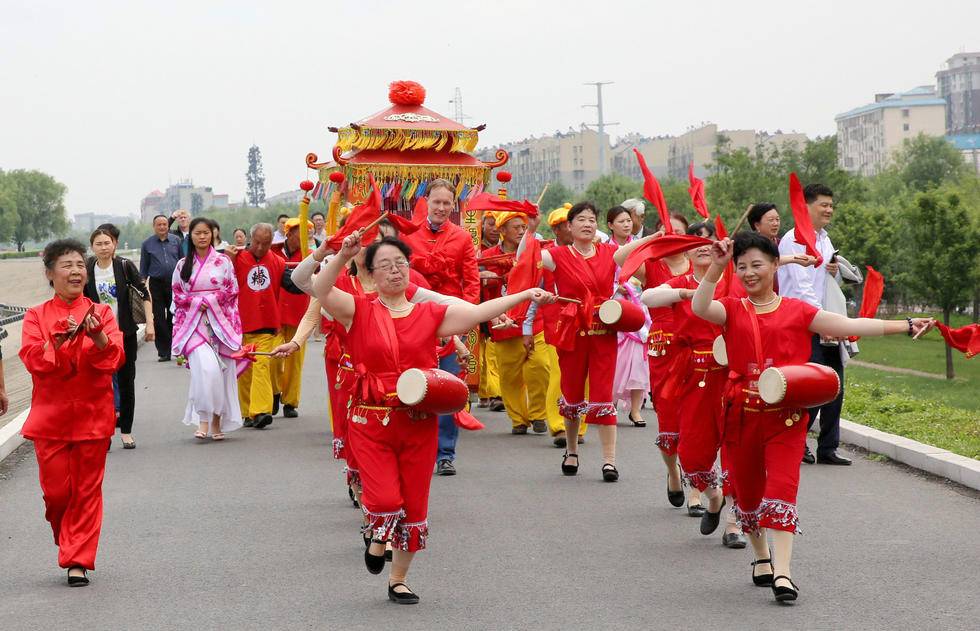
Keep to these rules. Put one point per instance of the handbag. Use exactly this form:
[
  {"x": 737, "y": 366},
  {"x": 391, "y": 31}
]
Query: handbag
[{"x": 137, "y": 296}]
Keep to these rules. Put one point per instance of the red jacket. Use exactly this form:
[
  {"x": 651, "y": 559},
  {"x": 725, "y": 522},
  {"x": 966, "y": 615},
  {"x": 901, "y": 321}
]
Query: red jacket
[
  {"x": 447, "y": 260},
  {"x": 258, "y": 290},
  {"x": 72, "y": 398},
  {"x": 292, "y": 307}
]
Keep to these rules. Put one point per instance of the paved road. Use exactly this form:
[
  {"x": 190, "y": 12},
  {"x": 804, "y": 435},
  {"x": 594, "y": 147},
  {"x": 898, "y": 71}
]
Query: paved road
[{"x": 257, "y": 533}]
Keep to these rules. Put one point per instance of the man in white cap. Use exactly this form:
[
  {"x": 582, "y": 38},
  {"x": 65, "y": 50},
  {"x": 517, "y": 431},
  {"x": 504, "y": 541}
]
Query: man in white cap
[{"x": 636, "y": 208}]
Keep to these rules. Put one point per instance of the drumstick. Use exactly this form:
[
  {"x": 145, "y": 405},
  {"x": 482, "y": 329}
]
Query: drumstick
[
  {"x": 260, "y": 353},
  {"x": 375, "y": 222},
  {"x": 564, "y": 299},
  {"x": 541, "y": 196},
  {"x": 742, "y": 219}
]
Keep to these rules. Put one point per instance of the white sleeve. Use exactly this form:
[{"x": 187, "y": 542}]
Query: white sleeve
[
  {"x": 796, "y": 281},
  {"x": 302, "y": 275},
  {"x": 427, "y": 295}
]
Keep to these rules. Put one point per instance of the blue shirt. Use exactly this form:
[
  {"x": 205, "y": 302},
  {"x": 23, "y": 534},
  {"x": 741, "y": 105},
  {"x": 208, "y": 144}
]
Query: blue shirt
[{"x": 159, "y": 258}]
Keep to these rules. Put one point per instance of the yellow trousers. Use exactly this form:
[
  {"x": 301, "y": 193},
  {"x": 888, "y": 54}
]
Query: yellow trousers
[
  {"x": 556, "y": 422},
  {"x": 289, "y": 370},
  {"x": 489, "y": 373},
  {"x": 257, "y": 384},
  {"x": 523, "y": 379}
]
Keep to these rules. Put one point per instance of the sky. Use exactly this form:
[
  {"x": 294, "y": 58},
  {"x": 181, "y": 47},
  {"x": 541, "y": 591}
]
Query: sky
[{"x": 117, "y": 98}]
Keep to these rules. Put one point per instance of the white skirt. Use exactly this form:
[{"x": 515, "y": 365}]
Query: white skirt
[{"x": 213, "y": 390}]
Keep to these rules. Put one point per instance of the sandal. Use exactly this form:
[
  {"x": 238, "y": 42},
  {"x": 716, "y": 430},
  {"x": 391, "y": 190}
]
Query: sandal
[
  {"x": 637, "y": 422},
  {"x": 218, "y": 436},
  {"x": 200, "y": 435},
  {"x": 569, "y": 469}
]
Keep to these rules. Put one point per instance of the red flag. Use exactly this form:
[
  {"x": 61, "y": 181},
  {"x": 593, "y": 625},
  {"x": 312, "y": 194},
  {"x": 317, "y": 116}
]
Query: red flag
[
  {"x": 803, "y": 225},
  {"x": 486, "y": 201},
  {"x": 874, "y": 286},
  {"x": 964, "y": 339},
  {"x": 421, "y": 211},
  {"x": 697, "y": 192},
  {"x": 526, "y": 274},
  {"x": 358, "y": 218},
  {"x": 720, "y": 230},
  {"x": 658, "y": 248},
  {"x": 653, "y": 193}
]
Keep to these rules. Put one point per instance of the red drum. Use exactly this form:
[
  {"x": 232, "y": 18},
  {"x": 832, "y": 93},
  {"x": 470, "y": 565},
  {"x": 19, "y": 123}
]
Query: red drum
[
  {"x": 720, "y": 351},
  {"x": 432, "y": 390},
  {"x": 804, "y": 386},
  {"x": 622, "y": 315}
]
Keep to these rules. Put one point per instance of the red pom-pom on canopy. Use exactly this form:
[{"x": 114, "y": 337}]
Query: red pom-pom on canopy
[
  {"x": 406, "y": 93},
  {"x": 306, "y": 185},
  {"x": 503, "y": 176},
  {"x": 336, "y": 177}
]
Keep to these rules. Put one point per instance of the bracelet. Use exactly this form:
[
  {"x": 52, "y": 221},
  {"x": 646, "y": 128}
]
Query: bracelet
[{"x": 909, "y": 320}]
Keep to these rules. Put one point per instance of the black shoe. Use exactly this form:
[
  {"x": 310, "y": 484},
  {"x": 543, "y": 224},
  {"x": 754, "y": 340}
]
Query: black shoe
[
  {"x": 402, "y": 598},
  {"x": 569, "y": 469},
  {"x": 637, "y": 422},
  {"x": 808, "y": 455},
  {"x": 561, "y": 442},
  {"x": 761, "y": 580},
  {"x": 709, "y": 521},
  {"x": 445, "y": 467},
  {"x": 539, "y": 426},
  {"x": 350, "y": 494},
  {"x": 262, "y": 421},
  {"x": 78, "y": 581},
  {"x": 520, "y": 429},
  {"x": 676, "y": 498},
  {"x": 374, "y": 564},
  {"x": 833, "y": 458},
  {"x": 733, "y": 540},
  {"x": 367, "y": 538},
  {"x": 248, "y": 422},
  {"x": 275, "y": 403},
  {"x": 785, "y": 594},
  {"x": 497, "y": 405},
  {"x": 695, "y": 510},
  {"x": 289, "y": 411},
  {"x": 610, "y": 473},
  {"x": 163, "y": 359},
  {"x": 581, "y": 440}
]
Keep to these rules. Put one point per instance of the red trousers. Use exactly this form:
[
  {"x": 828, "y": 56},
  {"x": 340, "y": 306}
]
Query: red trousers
[
  {"x": 701, "y": 414},
  {"x": 71, "y": 480},
  {"x": 593, "y": 358},
  {"x": 396, "y": 461},
  {"x": 667, "y": 408},
  {"x": 766, "y": 456},
  {"x": 338, "y": 380}
]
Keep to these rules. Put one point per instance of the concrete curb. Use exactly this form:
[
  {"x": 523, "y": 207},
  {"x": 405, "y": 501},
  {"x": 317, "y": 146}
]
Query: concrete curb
[{"x": 941, "y": 462}]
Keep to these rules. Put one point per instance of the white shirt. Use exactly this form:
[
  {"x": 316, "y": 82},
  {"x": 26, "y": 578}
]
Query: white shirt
[
  {"x": 105, "y": 286},
  {"x": 278, "y": 237},
  {"x": 805, "y": 282}
]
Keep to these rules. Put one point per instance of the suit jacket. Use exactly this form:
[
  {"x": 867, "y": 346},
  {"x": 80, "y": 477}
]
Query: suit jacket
[{"x": 127, "y": 279}]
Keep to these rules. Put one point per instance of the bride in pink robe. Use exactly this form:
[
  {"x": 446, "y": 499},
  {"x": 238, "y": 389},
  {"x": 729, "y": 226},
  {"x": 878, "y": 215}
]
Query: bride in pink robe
[{"x": 208, "y": 332}]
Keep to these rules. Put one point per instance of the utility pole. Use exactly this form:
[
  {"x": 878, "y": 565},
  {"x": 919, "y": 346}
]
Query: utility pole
[
  {"x": 457, "y": 102},
  {"x": 601, "y": 124}
]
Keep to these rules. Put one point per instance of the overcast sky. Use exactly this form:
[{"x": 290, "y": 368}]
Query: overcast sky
[{"x": 116, "y": 99}]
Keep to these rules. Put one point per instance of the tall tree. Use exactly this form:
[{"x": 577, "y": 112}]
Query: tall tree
[
  {"x": 944, "y": 258},
  {"x": 926, "y": 162},
  {"x": 40, "y": 205},
  {"x": 8, "y": 208},
  {"x": 255, "y": 178}
]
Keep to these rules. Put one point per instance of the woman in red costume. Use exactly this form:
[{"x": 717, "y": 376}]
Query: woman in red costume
[
  {"x": 698, "y": 384},
  {"x": 395, "y": 446},
  {"x": 71, "y": 346},
  {"x": 760, "y": 331},
  {"x": 663, "y": 361},
  {"x": 584, "y": 271}
]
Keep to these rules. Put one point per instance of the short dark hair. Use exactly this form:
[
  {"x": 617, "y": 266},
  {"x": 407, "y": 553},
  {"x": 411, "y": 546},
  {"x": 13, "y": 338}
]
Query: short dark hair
[
  {"x": 56, "y": 249},
  {"x": 758, "y": 211},
  {"x": 745, "y": 241},
  {"x": 678, "y": 216},
  {"x": 111, "y": 229},
  {"x": 99, "y": 232},
  {"x": 318, "y": 213},
  {"x": 281, "y": 215},
  {"x": 813, "y": 191},
  {"x": 614, "y": 212},
  {"x": 372, "y": 250},
  {"x": 697, "y": 228},
  {"x": 155, "y": 217},
  {"x": 580, "y": 208},
  {"x": 386, "y": 226}
]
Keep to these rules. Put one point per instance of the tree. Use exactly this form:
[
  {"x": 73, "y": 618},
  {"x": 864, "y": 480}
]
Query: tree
[
  {"x": 556, "y": 195},
  {"x": 255, "y": 178},
  {"x": 39, "y": 201},
  {"x": 197, "y": 204},
  {"x": 8, "y": 208},
  {"x": 943, "y": 261},
  {"x": 925, "y": 162},
  {"x": 611, "y": 190}
]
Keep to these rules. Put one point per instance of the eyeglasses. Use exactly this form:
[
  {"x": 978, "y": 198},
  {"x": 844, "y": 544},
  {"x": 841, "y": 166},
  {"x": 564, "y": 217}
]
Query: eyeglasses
[{"x": 387, "y": 267}]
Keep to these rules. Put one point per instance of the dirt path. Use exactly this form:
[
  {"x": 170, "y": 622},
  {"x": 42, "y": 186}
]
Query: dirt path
[{"x": 903, "y": 371}]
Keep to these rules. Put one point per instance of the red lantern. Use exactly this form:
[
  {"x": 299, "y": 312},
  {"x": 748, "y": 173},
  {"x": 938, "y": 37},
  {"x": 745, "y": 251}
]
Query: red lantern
[
  {"x": 306, "y": 185},
  {"x": 503, "y": 176},
  {"x": 336, "y": 177}
]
